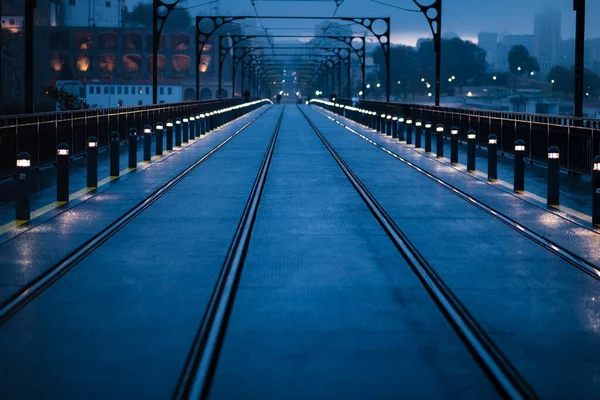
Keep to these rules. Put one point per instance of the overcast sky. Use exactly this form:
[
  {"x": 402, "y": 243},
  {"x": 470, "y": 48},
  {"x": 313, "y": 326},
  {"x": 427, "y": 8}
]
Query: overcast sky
[{"x": 465, "y": 17}]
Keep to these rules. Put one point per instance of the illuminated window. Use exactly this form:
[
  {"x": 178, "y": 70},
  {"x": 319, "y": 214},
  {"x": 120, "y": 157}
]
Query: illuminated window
[{"x": 83, "y": 63}]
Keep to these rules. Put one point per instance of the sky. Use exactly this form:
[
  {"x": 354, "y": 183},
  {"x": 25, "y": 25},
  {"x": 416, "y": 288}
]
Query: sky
[{"x": 464, "y": 17}]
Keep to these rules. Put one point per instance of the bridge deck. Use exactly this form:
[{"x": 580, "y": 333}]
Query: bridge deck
[{"x": 327, "y": 304}]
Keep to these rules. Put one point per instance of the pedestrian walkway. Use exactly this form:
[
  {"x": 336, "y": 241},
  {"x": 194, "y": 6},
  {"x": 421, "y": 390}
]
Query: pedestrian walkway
[{"x": 296, "y": 254}]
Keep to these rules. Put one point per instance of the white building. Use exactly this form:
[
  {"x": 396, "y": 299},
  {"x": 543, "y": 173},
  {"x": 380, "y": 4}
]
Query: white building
[
  {"x": 99, "y": 13},
  {"x": 117, "y": 95}
]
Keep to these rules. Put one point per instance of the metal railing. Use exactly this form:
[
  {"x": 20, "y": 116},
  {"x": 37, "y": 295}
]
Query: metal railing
[
  {"x": 39, "y": 134},
  {"x": 577, "y": 138}
]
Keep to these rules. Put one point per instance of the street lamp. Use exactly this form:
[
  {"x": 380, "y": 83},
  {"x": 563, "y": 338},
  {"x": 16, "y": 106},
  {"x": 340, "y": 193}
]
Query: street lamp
[
  {"x": 368, "y": 86},
  {"x": 379, "y": 85}
]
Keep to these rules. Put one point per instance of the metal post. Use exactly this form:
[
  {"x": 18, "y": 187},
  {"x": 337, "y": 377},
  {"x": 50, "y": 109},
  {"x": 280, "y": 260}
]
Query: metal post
[
  {"x": 418, "y": 132},
  {"x": 114, "y": 153},
  {"x": 132, "y": 142},
  {"x": 553, "y": 196},
  {"x": 428, "y": 137},
  {"x": 169, "y": 135},
  {"x": 471, "y": 141},
  {"x": 579, "y": 7},
  {"x": 382, "y": 123},
  {"x": 439, "y": 140},
  {"x": 492, "y": 157},
  {"x": 202, "y": 124},
  {"x": 23, "y": 209},
  {"x": 519, "y": 177},
  {"x": 147, "y": 143},
  {"x": 454, "y": 145},
  {"x": 177, "y": 132},
  {"x": 596, "y": 190},
  {"x": 409, "y": 130},
  {"x": 92, "y": 162},
  {"x": 159, "y": 138},
  {"x": 388, "y": 128},
  {"x": 62, "y": 172},
  {"x": 29, "y": 58}
]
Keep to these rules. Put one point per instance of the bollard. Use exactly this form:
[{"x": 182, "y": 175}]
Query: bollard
[
  {"x": 132, "y": 147},
  {"x": 395, "y": 127},
  {"x": 428, "y": 137},
  {"x": 169, "y": 135},
  {"x": 92, "y": 162},
  {"x": 492, "y": 157},
  {"x": 23, "y": 204},
  {"x": 382, "y": 124},
  {"x": 388, "y": 128},
  {"x": 596, "y": 190},
  {"x": 439, "y": 141},
  {"x": 159, "y": 138},
  {"x": 409, "y": 130},
  {"x": 374, "y": 120},
  {"x": 471, "y": 141},
  {"x": 418, "y": 130},
  {"x": 186, "y": 127},
  {"x": 114, "y": 153},
  {"x": 147, "y": 143},
  {"x": 202, "y": 124},
  {"x": 62, "y": 172},
  {"x": 553, "y": 197},
  {"x": 177, "y": 132},
  {"x": 519, "y": 183},
  {"x": 454, "y": 145},
  {"x": 192, "y": 127},
  {"x": 198, "y": 123},
  {"x": 401, "y": 129}
]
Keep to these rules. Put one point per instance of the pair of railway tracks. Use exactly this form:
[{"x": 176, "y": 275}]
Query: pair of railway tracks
[{"x": 198, "y": 372}]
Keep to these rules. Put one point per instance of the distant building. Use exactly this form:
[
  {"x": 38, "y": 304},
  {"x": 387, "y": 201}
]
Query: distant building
[
  {"x": 14, "y": 23},
  {"x": 489, "y": 42},
  {"x": 507, "y": 43},
  {"x": 119, "y": 95},
  {"x": 547, "y": 29},
  {"x": 92, "y": 13}
]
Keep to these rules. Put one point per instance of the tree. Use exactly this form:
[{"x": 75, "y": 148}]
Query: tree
[
  {"x": 404, "y": 73},
  {"x": 563, "y": 80},
  {"x": 66, "y": 100},
  {"x": 521, "y": 62},
  {"x": 179, "y": 19}
]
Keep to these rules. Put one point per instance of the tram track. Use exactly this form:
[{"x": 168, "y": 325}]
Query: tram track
[
  {"x": 45, "y": 280},
  {"x": 195, "y": 380},
  {"x": 507, "y": 380},
  {"x": 573, "y": 259}
]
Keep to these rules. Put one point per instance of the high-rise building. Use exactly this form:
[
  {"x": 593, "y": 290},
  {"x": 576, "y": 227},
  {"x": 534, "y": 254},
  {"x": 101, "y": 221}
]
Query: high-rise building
[
  {"x": 489, "y": 42},
  {"x": 547, "y": 30}
]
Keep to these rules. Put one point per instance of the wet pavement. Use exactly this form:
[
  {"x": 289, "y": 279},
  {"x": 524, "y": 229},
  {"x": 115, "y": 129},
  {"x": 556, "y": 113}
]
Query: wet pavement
[{"x": 326, "y": 305}]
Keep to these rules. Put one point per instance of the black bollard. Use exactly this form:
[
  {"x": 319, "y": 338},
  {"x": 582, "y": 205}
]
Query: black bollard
[
  {"x": 62, "y": 172},
  {"x": 132, "y": 143},
  {"x": 92, "y": 162},
  {"x": 395, "y": 127},
  {"x": 169, "y": 135},
  {"x": 159, "y": 138},
  {"x": 553, "y": 197},
  {"x": 147, "y": 143},
  {"x": 401, "y": 129},
  {"x": 471, "y": 142},
  {"x": 185, "y": 127},
  {"x": 428, "y": 137},
  {"x": 192, "y": 127},
  {"x": 374, "y": 120},
  {"x": 596, "y": 190},
  {"x": 418, "y": 131},
  {"x": 388, "y": 127},
  {"x": 454, "y": 145},
  {"x": 114, "y": 153},
  {"x": 409, "y": 130},
  {"x": 23, "y": 204},
  {"x": 492, "y": 157},
  {"x": 439, "y": 140},
  {"x": 519, "y": 180},
  {"x": 382, "y": 123},
  {"x": 202, "y": 124},
  {"x": 177, "y": 132}
]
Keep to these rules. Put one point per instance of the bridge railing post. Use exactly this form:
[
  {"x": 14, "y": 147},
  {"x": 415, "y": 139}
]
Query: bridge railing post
[{"x": 114, "y": 153}]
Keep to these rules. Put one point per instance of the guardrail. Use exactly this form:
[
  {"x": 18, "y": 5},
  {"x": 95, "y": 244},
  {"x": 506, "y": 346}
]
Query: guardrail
[
  {"x": 577, "y": 138},
  {"x": 39, "y": 134}
]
